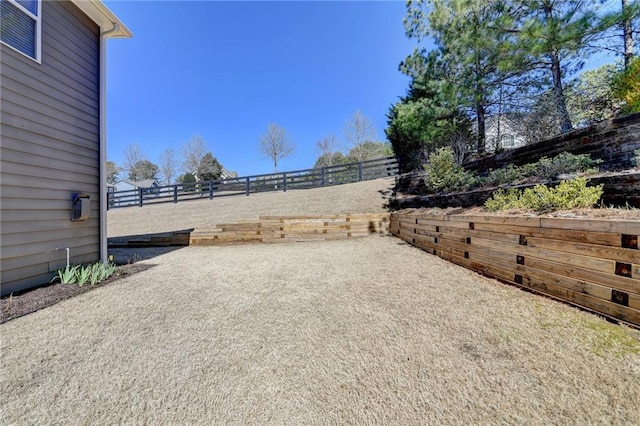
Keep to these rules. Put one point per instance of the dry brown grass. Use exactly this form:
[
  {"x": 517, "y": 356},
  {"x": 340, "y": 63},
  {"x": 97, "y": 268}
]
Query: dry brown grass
[
  {"x": 368, "y": 331},
  {"x": 361, "y": 197}
]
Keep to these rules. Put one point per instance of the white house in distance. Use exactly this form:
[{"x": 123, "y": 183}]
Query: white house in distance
[
  {"x": 226, "y": 174},
  {"x": 128, "y": 185},
  {"x": 501, "y": 132},
  {"x": 52, "y": 136},
  {"x": 125, "y": 192}
]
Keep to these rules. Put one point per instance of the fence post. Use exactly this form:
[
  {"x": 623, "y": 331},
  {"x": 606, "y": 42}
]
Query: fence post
[
  {"x": 210, "y": 189},
  {"x": 140, "y": 195},
  {"x": 360, "y": 170},
  {"x": 323, "y": 176},
  {"x": 175, "y": 193},
  {"x": 284, "y": 183},
  {"x": 247, "y": 185},
  {"x": 108, "y": 194}
]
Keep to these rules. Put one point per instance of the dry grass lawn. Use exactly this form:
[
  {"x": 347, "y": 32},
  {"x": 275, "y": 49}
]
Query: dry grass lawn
[
  {"x": 361, "y": 197},
  {"x": 367, "y": 331}
]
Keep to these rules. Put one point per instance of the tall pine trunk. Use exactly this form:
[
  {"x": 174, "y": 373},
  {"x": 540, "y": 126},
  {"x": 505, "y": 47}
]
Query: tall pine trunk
[
  {"x": 480, "y": 109},
  {"x": 482, "y": 132},
  {"x": 627, "y": 35},
  {"x": 558, "y": 94},
  {"x": 556, "y": 72}
]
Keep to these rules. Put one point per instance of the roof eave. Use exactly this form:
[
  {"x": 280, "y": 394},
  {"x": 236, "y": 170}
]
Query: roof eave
[{"x": 105, "y": 18}]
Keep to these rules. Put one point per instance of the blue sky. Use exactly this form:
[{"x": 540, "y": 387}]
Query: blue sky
[{"x": 225, "y": 70}]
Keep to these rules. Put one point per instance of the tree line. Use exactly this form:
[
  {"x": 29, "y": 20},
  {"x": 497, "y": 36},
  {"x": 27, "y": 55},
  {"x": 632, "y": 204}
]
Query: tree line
[
  {"x": 360, "y": 143},
  {"x": 199, "y": 164},
  {"x": 512, "y": 60}
]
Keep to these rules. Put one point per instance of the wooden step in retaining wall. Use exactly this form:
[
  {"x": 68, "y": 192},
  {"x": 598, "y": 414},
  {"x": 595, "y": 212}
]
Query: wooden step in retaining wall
[
  {"x": 282, "y": 229},
  {"x": 163, "y": 239},
  {"x": 587, "y": 262}
]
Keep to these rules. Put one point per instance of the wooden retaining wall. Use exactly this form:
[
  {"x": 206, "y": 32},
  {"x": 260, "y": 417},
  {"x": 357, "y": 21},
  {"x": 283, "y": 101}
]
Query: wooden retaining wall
[
  {"x": 283, "y": 229},
  {"x": 613, "y": 141},
  {"x": 591, "y": 263},
  {"x": 619, "y": 190},
  {"x": 162, "y": 239}
]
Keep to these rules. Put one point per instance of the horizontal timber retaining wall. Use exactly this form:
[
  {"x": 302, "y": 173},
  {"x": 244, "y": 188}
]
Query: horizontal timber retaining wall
[
  {"x": 619, "y": 190},
  {"x": 591, "y": 263},
  {"x": 283, "y": 229},
  {"x": 612, "y": 141}
]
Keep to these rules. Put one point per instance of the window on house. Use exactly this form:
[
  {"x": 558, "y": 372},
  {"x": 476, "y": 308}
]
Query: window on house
[
  {"x": 20, "y": 26},
  {"x": 508, "y": 141}
]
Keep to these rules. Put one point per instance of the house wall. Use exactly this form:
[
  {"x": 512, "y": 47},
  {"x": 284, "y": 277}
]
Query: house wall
[
  {"x": 49, "y": 149},
  {"x": 506, "y": 131},
  {"x": 124, "y": 186}
]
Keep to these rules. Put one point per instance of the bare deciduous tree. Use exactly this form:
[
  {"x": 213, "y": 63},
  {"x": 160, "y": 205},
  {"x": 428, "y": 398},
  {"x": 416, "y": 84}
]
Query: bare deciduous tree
[
  {"x": 168, "y": 165},
  {"x": 327, "y": 147},
  {"x": 461, "y": 144},
  {"x": 112, "y": 171},
  {"x": 192, "y": 153},
  {"x": 359, "y": 130},
  {"x": 143, "y": 170},
  {"x": 132, "y": 157},
  {"x": 275, "y": 144}
]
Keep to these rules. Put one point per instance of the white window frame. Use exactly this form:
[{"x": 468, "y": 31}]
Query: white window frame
[
  {"x": 508, "y": 141},
  {"x": 38, "y": 40}
]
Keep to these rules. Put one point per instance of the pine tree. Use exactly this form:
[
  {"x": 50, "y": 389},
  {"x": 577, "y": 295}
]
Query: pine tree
[{"x": 555, "y": 35}]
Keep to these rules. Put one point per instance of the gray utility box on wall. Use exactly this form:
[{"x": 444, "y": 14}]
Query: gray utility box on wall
[{"x": 81, "y": 207}]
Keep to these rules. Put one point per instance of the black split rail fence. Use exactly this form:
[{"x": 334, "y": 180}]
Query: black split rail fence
[{"x": 299, "y": 179}]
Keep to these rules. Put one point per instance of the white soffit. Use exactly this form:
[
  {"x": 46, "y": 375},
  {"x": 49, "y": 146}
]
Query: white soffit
[{"x": 101, "y": 15}]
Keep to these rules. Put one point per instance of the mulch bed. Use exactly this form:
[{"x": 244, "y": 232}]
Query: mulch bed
[{"x": 18, "y": 304}]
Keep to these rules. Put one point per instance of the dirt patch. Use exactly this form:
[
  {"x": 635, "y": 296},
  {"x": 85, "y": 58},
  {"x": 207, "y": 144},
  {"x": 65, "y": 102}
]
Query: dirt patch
[{"x": 19, "y": 304}]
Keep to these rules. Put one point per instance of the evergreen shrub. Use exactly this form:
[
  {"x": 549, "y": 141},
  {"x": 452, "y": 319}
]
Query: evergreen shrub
[
  {"x": 444, "y": 175},
  {"x": 568, "y": 194}
]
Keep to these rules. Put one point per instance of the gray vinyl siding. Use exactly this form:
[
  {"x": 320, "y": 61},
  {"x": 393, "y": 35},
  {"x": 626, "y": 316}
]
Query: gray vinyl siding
[{"x": 49, "y": 149}]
